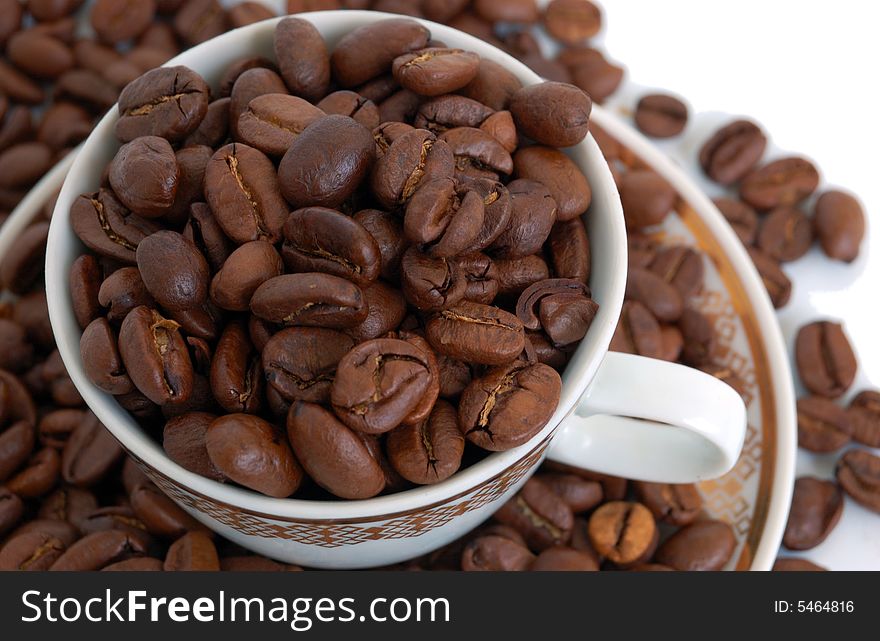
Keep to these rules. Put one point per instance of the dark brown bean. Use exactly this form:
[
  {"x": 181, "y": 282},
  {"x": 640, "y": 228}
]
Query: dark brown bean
[
  {"x": 780, "y": 183},
  {"x": 816, "y": 506},
  {"x": 701, "y": 546},
  {"x": 541, "y": 517},
  {"x": 775, "y": 281},
  {"x": 823, "y": 426},
  {"x": 839, "y": 222},
  {"x": 430, "y": 451},
  {"x": 368, "y": 51},
  {"x": 310, "y": 299},
  {"x": 193, "y": 552},
  {"x": 732, "y": 151},
  {"x": 825, "y": 360},
  {"x": 101, "y": 360},
  {"x": 676, "y": 504},
  {"x": 858, "y": 473},
  {"x": 243, "y": 272},
  {"x": 864, "y": 415},
  {"x": 785, "y": 234},
  {"x": 89, "y": 454}
]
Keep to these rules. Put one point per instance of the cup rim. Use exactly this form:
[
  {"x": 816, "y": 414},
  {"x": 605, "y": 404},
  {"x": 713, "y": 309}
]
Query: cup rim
[{"x": 149, "y": 451}]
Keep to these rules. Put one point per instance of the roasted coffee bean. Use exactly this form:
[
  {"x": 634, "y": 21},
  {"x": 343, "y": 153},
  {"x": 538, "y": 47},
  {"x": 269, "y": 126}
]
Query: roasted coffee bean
[
  {"x": 326, "y": 163},
  {"x": 676, "y": 504},
  {"x": 118, "y": 21},
  {"x": 451, "y": 111},
  {"x": 35, "y": 551},
  {"x": 858, "y": 473},
  {"x": 492, "y": 553},
  {"x": 590, "y": 71},
  {"x": 561, "y": 307},
  {"x": 120, "y": 518},
  {"x": 105, "y": 226},
  {"x": 477, "y": 154},
  {"x": 564, "y": 559},
  {"x": 481, "y": 277},
  {"x": 572, "y": 21},
  {"x": 317, "y": 239},
  {"x": 193, "y": 552},
  {"x": 272, "y": 121},
  {"x": 624, "y": 533},
  {"x": 16, "y": 443},
  {"x": 431, "y": 284},
  {"x": 454, "y": 376},
  {"x": 155, "y": 356},
  {"x": 864, "y": 416},
  {"x": 445, "y": 216},
  {"x": 508, "y": 405},
  {"x": 214, "y": 126},
  {"x": 775, "y": 281},
  {"x": 368, "y": 51},
  {"x": 89, "y": 453},
  {"x": 173, "y": 271},
  {"x": 183, "y": 439},
  {"x": 701, "y": 546},
  {"x": 244, "y": 194},
  {"x": 205, "y": 233},
  {"x": 497, "y": 211},
  {"x": 646, "y": 198},
  {"x": 783, "y": 182},
  {"x": 94, "y": 551},
  {"x": 300, "y": 362},
  {"x": 476, "y": 333},
  {"x": 32, "y": 314},
  {"x": 727, "y": 375},
  {"x": 567, "y": 185},
  {"x": 253, "y": 453},
  {"x": 796, "y": 565},
  {"x": 332, "y": 454},
  {"x": 85, "y": 283},
  {"x": 732, "y": 151},
  {"x": 493, "y": 86},
  {"x": 823, "y": 426},
  {"x": 569, "y": 250},
  {"x": 169, "y": 102},
  {"x": 415, "y": 157},
  {"x": 839, "y": 222},
  {"x": 162, "y": 516},
  {"x": 199, "y": 20},
  {"x": 22, "y": 265},
  {"x": 699, "y": 338},
  {"x": 310, "y": 299},
  {"x": 816, "y": 507},
  {"x": 501, "y": 127},
  {"x": 539, "y": 515},
  {"x": 248, "y": 13},
  {"x": 637, "y": 332},
  {"x": 243, "y": 272},
  {"x": 379, "y": 383},
  {"x": 386, "y": 310},
  {"x": 17, "y": 86},
  {"x": 580, "y": 495},
  {"x": 11, "y": 511},
  {"x": 101, "y": 360},
  {"x": 785, "y": 234},
  {"x": 122, "y": 291},
  {"x": 660, "y": 115},
  {"x": 515, "y": 275},
  {"x": 663, "y": 300},
  {"x": 507, "y": 11},
  {"x": 23, "y": 164},
  {"x": 237, "y": 372},
  {"x": 303, "y": 58},
  {"x": 400, "y": 106},
  {"x": 39, "y": 54},
  {"x": 386, "y": 133},
  {"x": 191, "y": 163},
  {"x": 680, "y": 266},
  {"x": 825, "y": 360},
  {"x": 64, "y": 125},
  {"x": 435, "y": 71},
  {"x": 533, "y": 213},
  {"x": 552, "y": 113},
  {"x": 11, "y": 12},
  {"x": 144, "y": 176},
  {"x": 353, "y": 105},
  {"x": 16, "y": 351},
  {"x": 430, "y": 451},
  {"x": 388, "y": 234}
]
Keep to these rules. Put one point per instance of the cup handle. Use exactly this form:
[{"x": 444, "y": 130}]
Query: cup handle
[{"x": 651, "y": 420}]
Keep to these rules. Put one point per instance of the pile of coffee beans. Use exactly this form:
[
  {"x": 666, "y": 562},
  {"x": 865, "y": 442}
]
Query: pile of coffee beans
[
  {"x": 292, "y": 282},
  {"x": 97, "y": 501}
]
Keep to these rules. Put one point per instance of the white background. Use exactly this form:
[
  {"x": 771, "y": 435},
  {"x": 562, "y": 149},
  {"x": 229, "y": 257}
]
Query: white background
[{"x": 807, "y": 71}]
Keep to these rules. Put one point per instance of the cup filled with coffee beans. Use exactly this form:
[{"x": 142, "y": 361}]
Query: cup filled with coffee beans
[{"x": 343, "y": 334}]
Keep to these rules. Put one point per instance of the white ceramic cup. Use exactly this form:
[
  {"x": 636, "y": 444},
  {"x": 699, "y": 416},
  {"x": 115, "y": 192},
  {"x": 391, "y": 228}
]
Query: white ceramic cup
[{"x": 618, "y": 414}]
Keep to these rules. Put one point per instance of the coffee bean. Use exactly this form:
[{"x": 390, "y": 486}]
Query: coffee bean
[
  {"x": 682, "y": 267},
  {"x": 199, "y": 20},
  {"x": 493, "y": 86},
  {"x": 302, "y": 58},
  {"x": 864, "y": 417},
  {"x": 412, "y": 159},
  {"x": 205, "y": 233},
  {"x": 569, "y": 250},
  {"x": 494, "y": 553},
  {"x": 816, "y": 507},
  {"x": 541, "y": 517},
  {"x": 379, "y": 383},
  {"x": 481, "y": 277},
  {"x": 193, "y": 552},
  {"x": 169, "y": 102},
  {"x": 839, "y": 222},
  {"x": 451, "y": 111},
  {"x": 775, "y": 281},
  {"x": 155, "y": 356},
  {"x": 592, "y": 72},
  {"x": 310, "y": 299},
  {"x": 676, "y": 504},
  {"x": 22, "y": 265},
  {"x": 89, "y": 454},
  {"x": 741, "y": 217},
  {"x": 11, "y": 510},
  {"x": 796, "y": 565},
  {"x": 507, "y": 10},
  {"x": 825, "y": 360},
  {"x": 38, "y": 54},
  {"x": 476, "y": 333},
  {"x": 117, "y": 21},
  {"x": 16, "y": 351},
  {"x": 368, "y": 51},
  {"x": 386, "y": 310},
  {"x": 701, "y": 546},
  {"x": 94, "y": 551},
  {"x": 162, "y": 516},
  {"x": 732, "y": 151},
  {"x": 624, "y": 533},
  {"x": 663, "y": 300},
  {"x": 248, "y": 13},
  {"x": 780, "y": 183},
  {"x": 637, "y": 332},
  {"x": 243, "y": 272},
  {"x": 236, "y": 372},
  {"x": 253, "y": 453},
  {"x": 272, "y": 121},
  {"x": 858, "y": 473},
  {"x": 515, "y": 275},
  {"x": 214, "y": 126},
  {"x": 16, "y": 443},
  {"x": 698, "y": 334},
  {"x": 785, "y": 234},
  {"x": 508, "y": 405},
  {"x": 173, "y": 271},
  {"x": 444, "y": 216},
  {"x": 333, "y": 454},
  {"x": 580, "y": 495},
  {"x": 183, "y": 439},
  {"x": 122, "y": 291},
  {"x": 552, "y": 113},
  {"x": 23, "y": 164},
  {"x": 646, "y": 198},
  {"x": 19, "y": 87},
  {"x": 430, "y": 451},
  {"x": 823, "y": 426},
  {"x": 561, "y": 307},
  {"x": 661, "y": 115},
  {"x": 572, "y": 21},
  {"x": 10, "y": 18},
  {"x": 34, "y": 551},
  {"x": 101, "y": 360},
  {"x": 435, "y": 71}
]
